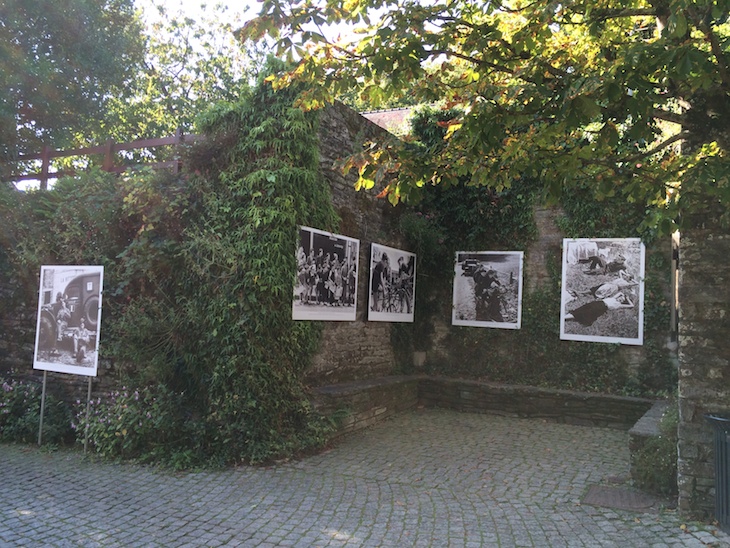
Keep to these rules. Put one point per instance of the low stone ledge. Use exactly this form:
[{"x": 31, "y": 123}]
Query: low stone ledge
[
  {"x": 581, "y": 408},
  {"x": 369, "y": 401},
  {"x": 648, "y": 425},
  {"x": 646, "y": 428}
]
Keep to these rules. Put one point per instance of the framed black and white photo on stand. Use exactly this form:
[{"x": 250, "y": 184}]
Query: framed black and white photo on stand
[
  {"x": 602, "y": 298},
  {"x": 326, "y": 283},
  {"x": 488, "y": 289},
  {"x": 69, "y": 319}
]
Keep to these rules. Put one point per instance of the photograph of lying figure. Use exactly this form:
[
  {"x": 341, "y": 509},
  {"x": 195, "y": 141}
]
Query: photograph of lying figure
[
  {"x": 602, "y": 296},
  {"x": 588, "y": 313},
  {"x": 608, "y": 288}
]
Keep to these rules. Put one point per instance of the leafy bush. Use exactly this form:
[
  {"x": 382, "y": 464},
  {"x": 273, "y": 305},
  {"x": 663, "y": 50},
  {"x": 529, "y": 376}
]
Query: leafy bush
[
  {"x": 234, "y": 293},
  {"x": 204, "y": 298},
  {"x": 149, "y": 425},
  {"x": 198, "y": 276},
  {"x": 76, "y": 222},
  {"x": 20, "y": 410}
]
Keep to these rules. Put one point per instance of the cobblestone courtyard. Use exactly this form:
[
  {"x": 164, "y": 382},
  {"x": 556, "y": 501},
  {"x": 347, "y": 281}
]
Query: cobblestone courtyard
[{"x": 426, "y": 478}]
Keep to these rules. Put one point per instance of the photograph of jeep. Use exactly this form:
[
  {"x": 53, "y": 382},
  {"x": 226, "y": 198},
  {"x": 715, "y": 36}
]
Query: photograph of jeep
[{"x": 67, "y": 331}]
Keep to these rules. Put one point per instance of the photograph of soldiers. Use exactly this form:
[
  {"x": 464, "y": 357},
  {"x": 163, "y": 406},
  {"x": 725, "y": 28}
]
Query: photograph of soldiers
[
  {"x": 69, "y": 318},
  {"x": 392, "y": 284},
  {"x": 488, "y": 289}
]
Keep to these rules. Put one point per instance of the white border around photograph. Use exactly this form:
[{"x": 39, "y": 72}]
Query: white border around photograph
[
  {"x": 69, "y": 319},
  {"x": 488, "y": 289},
  {"x": 327, "y": 270},
  {"x": 392, "y": 287},
  {"x": 602, "y": 298}
]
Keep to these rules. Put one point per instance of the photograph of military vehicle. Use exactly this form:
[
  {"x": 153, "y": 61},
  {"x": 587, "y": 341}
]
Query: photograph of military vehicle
[{"x": 68, "y": 316}]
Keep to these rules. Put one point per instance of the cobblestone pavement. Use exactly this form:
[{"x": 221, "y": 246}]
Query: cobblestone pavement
[{"x": 425, "y": 478}]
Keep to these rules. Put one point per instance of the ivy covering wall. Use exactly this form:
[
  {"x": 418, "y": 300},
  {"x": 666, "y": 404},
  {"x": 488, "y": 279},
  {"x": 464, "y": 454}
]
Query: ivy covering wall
[
  {"x": 199, "y": 272},
  {"x": 198, "y": 278}
]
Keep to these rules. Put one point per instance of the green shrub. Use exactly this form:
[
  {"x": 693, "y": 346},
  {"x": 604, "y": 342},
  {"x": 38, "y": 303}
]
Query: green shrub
[
  {"x": 148, "y": 424},
  {"x": 155, "y": 424},
  {"x": 20, "y": 410},
  {"x": 198, "y": 276}
]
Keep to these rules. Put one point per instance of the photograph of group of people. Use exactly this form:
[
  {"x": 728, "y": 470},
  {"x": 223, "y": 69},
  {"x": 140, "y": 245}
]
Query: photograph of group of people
[
  {"x": 603, "y": 290},
  {"x": 327, "y": 277},
  {"x": 488, "y": 289},
  {"x": 326, "y": 285}
]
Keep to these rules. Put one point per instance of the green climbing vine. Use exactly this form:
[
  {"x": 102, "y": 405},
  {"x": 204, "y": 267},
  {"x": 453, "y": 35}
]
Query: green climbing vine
[{"x": 198, "y": 280}]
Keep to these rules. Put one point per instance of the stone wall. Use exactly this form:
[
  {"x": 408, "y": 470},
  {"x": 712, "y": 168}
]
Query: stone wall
[
  {"x": 548, "y": 244},
  {"x": 17, "y": 326},
  {"x": 358, "y": 350},
  {"x": 543, "y": 255},
  {"x": 354, "y": 350},
  {"x": 704, "y": 358}
]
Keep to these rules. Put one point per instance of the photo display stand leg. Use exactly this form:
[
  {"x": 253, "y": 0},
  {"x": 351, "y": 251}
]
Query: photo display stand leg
[
  {"x": 43, "y": 407},
  {"x": 88, "y": 414}
]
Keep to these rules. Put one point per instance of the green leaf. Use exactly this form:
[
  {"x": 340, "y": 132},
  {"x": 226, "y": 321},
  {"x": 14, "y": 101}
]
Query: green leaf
[
  {"x": 683, "y": 66},
  {"x": 677, "y": 25},
  {"x": 586, "y": 107},
  {"x": 609, "y": 134}
]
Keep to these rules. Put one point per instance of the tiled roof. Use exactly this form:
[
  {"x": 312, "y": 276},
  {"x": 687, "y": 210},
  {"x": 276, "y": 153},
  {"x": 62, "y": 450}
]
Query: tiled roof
[{"x": 396, "y": 121}]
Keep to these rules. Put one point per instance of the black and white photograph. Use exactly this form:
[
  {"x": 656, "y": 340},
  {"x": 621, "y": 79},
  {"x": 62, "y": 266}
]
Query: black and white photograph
[
  {"x": 326, "y": 284},
  {"x": 488, "y": 289},
  {"x": 392, "y": 284},
  {"x": 69, "y": 319},
  {"x": 603, "y": 290}
]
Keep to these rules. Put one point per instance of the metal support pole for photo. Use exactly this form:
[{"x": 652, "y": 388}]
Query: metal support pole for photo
[
  {"x": 85, "y": 282},
  {"x": 88, "y": 414},
  {"x": 43, "y": 407}
]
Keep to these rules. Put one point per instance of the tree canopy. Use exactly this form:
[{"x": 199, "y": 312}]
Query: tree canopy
[
  {"x": 631, "y": 95},
  {"x": 189, "y": 64},
  {"x": 79, "y": 72},
  {"x": 60, "y": 62}
]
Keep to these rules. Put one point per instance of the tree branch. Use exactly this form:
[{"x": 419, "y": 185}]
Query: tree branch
[
  {"x": 669, "y": 116},
  {"x": 479, "y": 62},
  {"x": 604, "y": 15},
  {"x": 722, "y": 63},
  {"x": 658, "y": 148}
]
